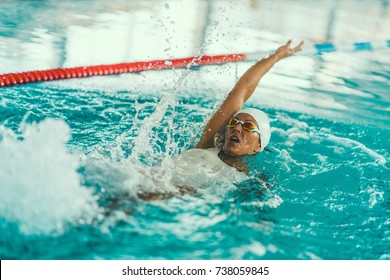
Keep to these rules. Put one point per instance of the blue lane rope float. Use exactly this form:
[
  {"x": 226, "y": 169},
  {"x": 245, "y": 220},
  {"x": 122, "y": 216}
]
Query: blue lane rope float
[
  {"x": 360, "y": 46},
  {"x": 11, "y": 79}
]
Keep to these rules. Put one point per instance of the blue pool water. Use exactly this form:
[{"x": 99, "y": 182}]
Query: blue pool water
[{"x": 75, "y": 154}]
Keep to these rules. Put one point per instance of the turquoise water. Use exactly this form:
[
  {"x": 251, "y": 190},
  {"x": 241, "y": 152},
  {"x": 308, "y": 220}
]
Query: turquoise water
[{"x": 74, "y": 154}]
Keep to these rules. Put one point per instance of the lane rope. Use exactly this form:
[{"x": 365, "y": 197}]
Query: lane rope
[{"x": 11, "y": 79}]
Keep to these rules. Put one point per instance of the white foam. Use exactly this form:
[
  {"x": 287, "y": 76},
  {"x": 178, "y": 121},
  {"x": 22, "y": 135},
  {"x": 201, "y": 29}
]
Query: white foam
[
  {"x": 385, "y": 257},
  {"x": 346, "y": 142},
  {"x": 40, "y": 188},
  {"x": 255, "y": 248},
  {"x": 375, "y": 196},
  {"x": 272, "y": 201}
]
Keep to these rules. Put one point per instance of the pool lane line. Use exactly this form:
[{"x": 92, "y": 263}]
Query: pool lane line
[{"x": 11, "y": 79}]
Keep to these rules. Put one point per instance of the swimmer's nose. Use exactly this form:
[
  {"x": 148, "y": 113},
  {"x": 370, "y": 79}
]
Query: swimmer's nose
[{"x": 238, "y": 128}]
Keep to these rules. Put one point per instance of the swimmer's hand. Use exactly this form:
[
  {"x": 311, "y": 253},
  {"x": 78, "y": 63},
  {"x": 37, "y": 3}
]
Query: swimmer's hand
[{"x": 285, "y": 50}]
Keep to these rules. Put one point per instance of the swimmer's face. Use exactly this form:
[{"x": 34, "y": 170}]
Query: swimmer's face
[{"x": 239, "y": 142}]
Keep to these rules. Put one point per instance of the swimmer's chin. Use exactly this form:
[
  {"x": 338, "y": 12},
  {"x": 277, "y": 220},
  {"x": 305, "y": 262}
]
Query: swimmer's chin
[{"x": 233, "y": 150}]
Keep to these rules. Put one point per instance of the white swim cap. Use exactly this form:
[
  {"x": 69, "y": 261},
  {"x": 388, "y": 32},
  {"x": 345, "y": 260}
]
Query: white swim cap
[{"x": 263, "y": 124}]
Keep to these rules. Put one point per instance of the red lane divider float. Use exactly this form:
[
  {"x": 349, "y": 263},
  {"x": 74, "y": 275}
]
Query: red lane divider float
[{"x": 11, "y": 79}]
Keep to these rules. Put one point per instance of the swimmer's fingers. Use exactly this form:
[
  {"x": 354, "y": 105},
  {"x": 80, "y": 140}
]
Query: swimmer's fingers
[
  {"x": 298, "y": 48},
  {"x": 285, "y": 50},
  {"x": 291, "y": 51}
]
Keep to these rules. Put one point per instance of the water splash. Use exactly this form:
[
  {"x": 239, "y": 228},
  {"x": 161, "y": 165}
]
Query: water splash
[
  {"x": 39, "y": 182},
  {"x": 144, "y": 142},
  {"x": 156, "y": 134}
]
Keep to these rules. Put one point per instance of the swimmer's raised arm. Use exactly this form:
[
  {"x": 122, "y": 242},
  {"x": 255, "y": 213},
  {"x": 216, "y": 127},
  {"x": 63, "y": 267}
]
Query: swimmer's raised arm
[{"x": 241, "y": 92}]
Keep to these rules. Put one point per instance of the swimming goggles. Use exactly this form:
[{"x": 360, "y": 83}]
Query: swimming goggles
[{"x": 246, "y": 125}]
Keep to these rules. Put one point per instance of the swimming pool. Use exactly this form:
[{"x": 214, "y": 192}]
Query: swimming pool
[{"x": 75, "y": 153}]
